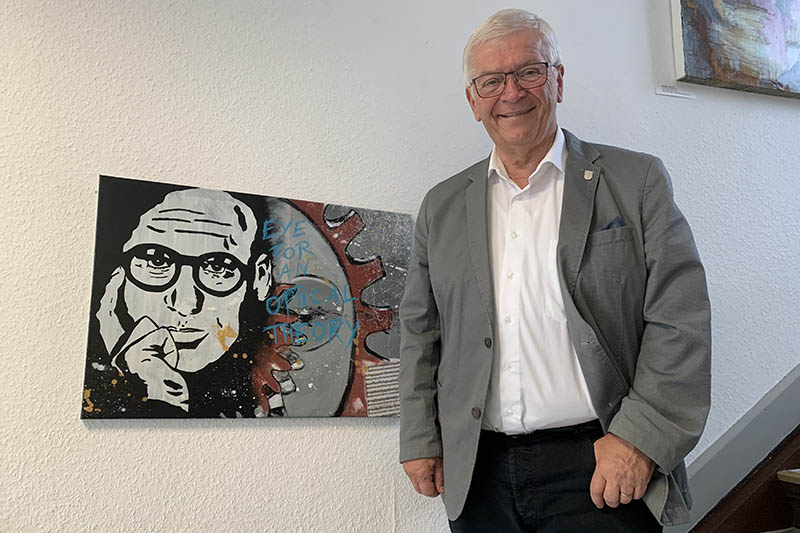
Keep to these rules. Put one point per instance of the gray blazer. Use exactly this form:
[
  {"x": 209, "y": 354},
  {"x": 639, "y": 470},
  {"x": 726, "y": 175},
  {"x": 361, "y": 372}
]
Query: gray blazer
[{"x": 637, "y": 311}]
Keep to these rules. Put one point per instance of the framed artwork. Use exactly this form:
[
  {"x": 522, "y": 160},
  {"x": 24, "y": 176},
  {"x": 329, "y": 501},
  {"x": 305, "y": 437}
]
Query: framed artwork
[
  {"x": 209, "y": 303},
  {"x": 750, "y": 45}
]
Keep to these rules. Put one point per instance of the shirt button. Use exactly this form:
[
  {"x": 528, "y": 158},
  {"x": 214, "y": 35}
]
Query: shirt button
[
  {"x": 509, "y": 412},
  {"x": 487, "y": 341},
  {"x": 507, "y": 366},
  {"x": 476, "y": 412},
  {"x": 514, "y": 234},
  {"x": 507, "y": 320},
  {"x": 510, "y": 275}
]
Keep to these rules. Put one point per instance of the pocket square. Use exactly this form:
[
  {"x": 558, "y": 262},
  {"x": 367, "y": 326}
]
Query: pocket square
[{"x": 617, "y": 222}]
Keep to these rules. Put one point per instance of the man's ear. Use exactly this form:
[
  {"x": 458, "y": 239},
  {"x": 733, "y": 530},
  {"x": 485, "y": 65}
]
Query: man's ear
[
  {"x": 560, "y": 81},
  {"x": 263, "y": 280},
  {"x": 472, "y": 104}
]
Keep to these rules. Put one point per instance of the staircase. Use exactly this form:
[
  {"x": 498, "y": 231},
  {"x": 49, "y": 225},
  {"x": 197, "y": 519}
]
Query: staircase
[{"x": 766, "y": 500}]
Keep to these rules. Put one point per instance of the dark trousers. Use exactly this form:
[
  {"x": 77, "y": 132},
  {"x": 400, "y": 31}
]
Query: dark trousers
[{"x": 540, "y": 482}]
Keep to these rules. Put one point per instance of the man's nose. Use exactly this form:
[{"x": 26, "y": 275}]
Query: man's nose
[
  {"x": 511, "y": 91},
  {"x": 185, "y": 298}
]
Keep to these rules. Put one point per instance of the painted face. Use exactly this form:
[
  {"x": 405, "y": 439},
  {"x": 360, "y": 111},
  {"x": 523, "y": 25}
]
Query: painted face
[
  {"x": 186, "y": 269},
  {"x": 516, "y": 118}
]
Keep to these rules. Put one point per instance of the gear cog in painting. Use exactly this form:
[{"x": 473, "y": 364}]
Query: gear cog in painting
[{"x": 316, "y": 360}]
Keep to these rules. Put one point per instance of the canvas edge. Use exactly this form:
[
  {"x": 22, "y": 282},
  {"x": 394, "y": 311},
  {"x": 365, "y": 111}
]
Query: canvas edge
[
  {"x": 677, "y": 40},
  {"x": 709, "y": 82},
  {"x": 83, "y": 411}
]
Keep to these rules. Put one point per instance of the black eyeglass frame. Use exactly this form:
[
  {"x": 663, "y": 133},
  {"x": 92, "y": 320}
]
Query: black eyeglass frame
[
  {"x": 513, "y": 73},
  {"x": 180, "y": 260}
]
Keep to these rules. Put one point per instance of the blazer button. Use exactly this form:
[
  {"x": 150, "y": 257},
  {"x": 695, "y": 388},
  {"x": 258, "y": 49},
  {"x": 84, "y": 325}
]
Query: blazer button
[
  {"x": 476, "y": 412},
  {"x": 487, "y": 341}
]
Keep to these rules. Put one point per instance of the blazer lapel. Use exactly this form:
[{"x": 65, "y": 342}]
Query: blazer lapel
[
  {"x": 580, "y": 184},
  {"x": 478, "y": 233}
]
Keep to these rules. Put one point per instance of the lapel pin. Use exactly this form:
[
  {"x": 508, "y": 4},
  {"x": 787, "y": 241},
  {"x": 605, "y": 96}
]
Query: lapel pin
[{"x": 587, "y": 174}]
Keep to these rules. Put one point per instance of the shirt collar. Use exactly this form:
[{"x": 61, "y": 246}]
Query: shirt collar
[{"x": 556, "y": 156}]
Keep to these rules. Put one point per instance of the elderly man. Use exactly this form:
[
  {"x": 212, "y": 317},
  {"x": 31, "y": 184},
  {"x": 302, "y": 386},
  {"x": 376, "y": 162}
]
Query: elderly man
[{"x": 555, "y": 326}]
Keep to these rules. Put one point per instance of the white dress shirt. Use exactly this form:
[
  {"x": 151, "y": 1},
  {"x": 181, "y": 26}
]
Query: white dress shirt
[{"x": 536, "y": 380}]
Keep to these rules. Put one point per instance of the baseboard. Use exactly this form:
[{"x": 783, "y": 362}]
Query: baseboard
[{"x": 731, "y": 457}]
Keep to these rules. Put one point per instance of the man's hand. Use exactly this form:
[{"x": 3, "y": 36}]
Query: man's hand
[
  {"x": 150, "y": 353},
  {"x": 426, "y": 475},
  {"x": 110, "y": 328},
  {"x": 621, "y": 474},
  {"x": 151, "y": 358}
]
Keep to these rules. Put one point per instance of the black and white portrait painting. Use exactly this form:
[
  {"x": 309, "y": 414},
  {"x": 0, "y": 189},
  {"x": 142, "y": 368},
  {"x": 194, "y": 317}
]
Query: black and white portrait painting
[{"x": 208, "y": 303}]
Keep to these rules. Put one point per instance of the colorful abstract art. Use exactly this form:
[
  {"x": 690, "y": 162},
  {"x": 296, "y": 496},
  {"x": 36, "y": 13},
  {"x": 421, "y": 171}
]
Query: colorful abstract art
[
  {"x": 208, "y": 303},
  {"x": 751, "y": 45}
]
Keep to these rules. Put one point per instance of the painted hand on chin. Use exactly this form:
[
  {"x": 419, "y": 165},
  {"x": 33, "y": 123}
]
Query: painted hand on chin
[{"x": 150, "y": 353}]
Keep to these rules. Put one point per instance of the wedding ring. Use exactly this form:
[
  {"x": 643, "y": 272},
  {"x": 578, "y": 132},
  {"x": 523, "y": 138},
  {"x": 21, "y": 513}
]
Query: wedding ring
[{"x": 625, "y": 495}]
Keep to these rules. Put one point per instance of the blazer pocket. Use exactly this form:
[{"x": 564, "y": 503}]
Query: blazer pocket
[{"x": 609, "y": 236}]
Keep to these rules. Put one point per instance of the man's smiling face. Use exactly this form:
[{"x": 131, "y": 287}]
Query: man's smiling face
[{"x": 516, "y": 118}]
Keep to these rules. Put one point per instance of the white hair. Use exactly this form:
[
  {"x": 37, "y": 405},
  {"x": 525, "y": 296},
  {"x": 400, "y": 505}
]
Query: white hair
[{"x": 504, "y": 23}]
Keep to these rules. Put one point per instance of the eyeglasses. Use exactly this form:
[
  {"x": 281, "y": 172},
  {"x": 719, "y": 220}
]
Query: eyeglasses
[
  {"x": 156, "y": 268},
  {"x": 528, "y": 76}
]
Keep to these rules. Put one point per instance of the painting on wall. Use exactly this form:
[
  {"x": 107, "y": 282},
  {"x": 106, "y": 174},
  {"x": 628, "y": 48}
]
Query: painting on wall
[
  {"x": 751, "y": 45},
  {"x": 209, "y": 303}
]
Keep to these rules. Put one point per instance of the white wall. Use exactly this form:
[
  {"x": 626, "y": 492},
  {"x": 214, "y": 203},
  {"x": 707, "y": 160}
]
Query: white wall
[{"x": 358, "y": 103}]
